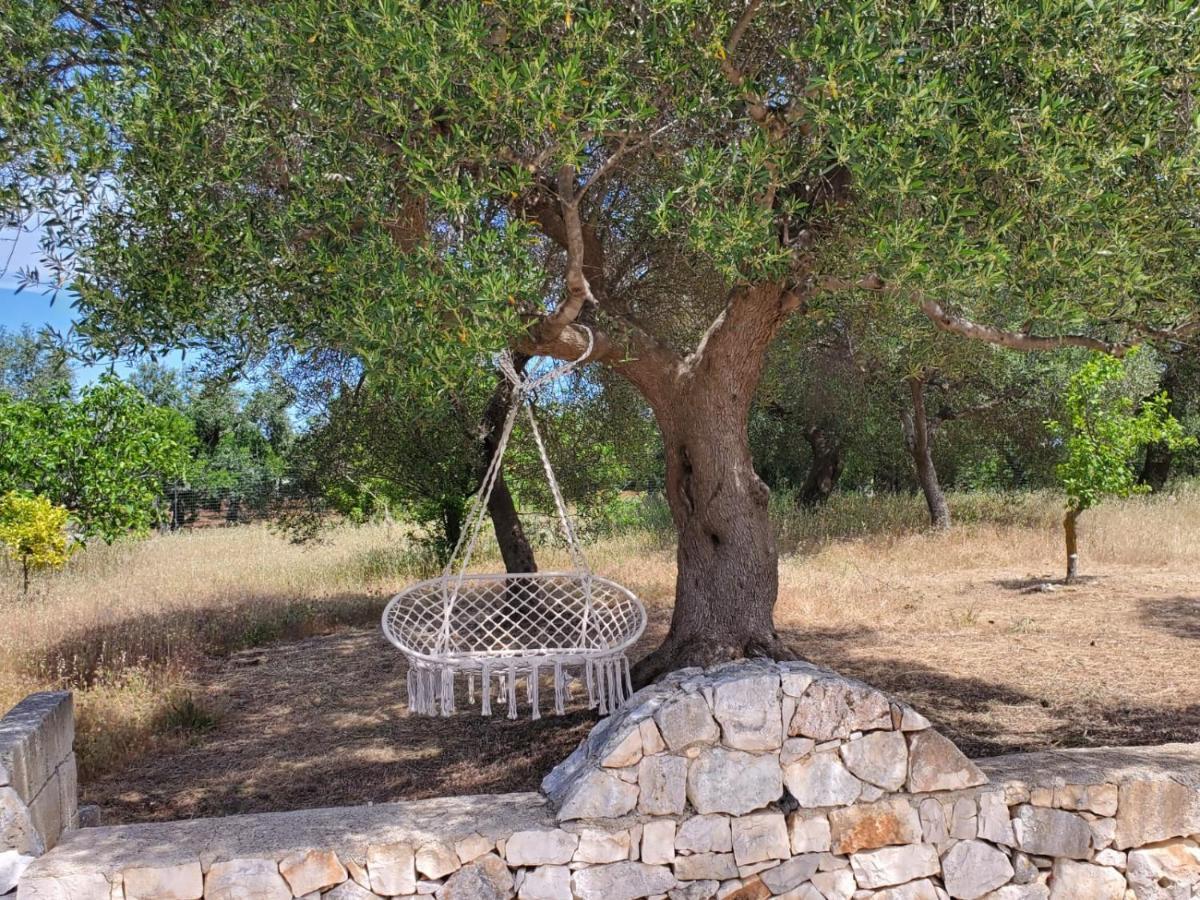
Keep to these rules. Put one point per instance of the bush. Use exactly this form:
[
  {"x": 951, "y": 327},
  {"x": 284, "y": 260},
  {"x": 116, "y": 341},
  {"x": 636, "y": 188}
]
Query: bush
[{"x": 34, "y": 532}]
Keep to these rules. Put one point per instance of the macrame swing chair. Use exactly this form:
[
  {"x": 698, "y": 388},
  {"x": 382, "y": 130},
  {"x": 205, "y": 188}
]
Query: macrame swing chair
[{"x": 501, "y": 629}]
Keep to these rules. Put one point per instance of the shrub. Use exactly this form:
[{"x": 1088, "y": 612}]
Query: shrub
[{"x": 34, "y": 532}]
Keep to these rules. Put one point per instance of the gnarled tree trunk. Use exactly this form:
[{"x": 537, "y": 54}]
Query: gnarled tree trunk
[
  {"x": 918, "y": 439},
  {"x": 727, "y": 580},
  {"x": 826, "y": 466}
]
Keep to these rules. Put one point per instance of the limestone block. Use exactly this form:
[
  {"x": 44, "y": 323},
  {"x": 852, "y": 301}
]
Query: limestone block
[
  {"x": 809, "y": 832},
  {"x": 598, "y": 794},
  {"x": 1104, "y": 832},
  {"x": 246, "y": 879},
  {"x": 795, "y": 748},
  {"x": 487, "y": 878},
  {"x": 835, "y": 708},
  {"x": 184, "y": 881},
  {"x": 46, "y": 811},
  {"x": 652, "y": 741},
  {"x": 314, "y": 870},
  {"x": 541, "y": 848},
  {"x": 1164, "y": 871},
  {"x": 596, "y": 846},
  {"x": 838, "y": 884},
  {"x": 791, "y": 874},
  {"x": 1153, "y": 810},
  {"x": 471, "y": 847},
  {"x": 12, "y": 864},
  {"x": 36, "y": 736},
  {"x": 1043, "y": 831},
  {"x": 705, "y": 866},
  {"x": 17, "y": 831},
  {"x": 748, "y": 711},
  {"x": 752, "y": 889},
  {"x": 964, "y": 817},
  {"x": 879, "y": 758},
  {"x": 1024, "y": 870},
  {"x": 935, "y": 764},
  {"x": 626, "y": 752},
  {"x": 662, "y": 781},
  {"x": 914, "y": 890},
  {"x": 81, "y": 886},
  {"x": 392, "y": 868},
  {"x": 733, "y": 781},
  {"x": 658, "y": 842},
  {"x": 1020, "y": 892},
  {"x": 704, "y": 834},
  {"x": 759, "y": 837},
  {"x": 1100, "y": 799},
  {"x": 546, "y": 883},
  {"x": 1083, "y": 881},
  {"x": 870, "y": 825},
  {"x": 686, "y": 721},
  {"x": 348, "y": 890},
  {"x": 622, "y": 881},
  {"x": 888, "y": 866},
  {"x": 695, "y": 890},
  {"x": 821, "y": 780},
  {"x": 994, "y": 823},
  {"x": 974, "y": 868},
  {"x": 934, "y": 828}
]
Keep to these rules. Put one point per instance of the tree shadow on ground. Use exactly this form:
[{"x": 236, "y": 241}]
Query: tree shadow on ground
[
  {"x": 323, "y": 722},
  {"x": 1178, "y": 616},
  {"x": 987, "y": 718},
  {"x": 1039, "y": 583}
]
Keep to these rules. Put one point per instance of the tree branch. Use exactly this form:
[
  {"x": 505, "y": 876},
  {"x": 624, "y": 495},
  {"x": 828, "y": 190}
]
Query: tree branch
[{"x": 1014, "y": 340}]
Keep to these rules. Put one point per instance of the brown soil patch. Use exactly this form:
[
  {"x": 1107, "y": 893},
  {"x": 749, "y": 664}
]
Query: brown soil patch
[{"x": 993, "y": 659}]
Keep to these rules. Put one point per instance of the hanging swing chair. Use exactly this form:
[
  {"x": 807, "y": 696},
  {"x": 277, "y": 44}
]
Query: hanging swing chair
[{"x": 501, "y": 629}]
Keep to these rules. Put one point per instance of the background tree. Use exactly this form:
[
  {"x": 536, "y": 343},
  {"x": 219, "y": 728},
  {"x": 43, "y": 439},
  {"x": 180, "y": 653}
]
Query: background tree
[
  {"x": 34, "y": 532},
  {"x": 105, "y": 456},
  {"x": 1102, "y": 433},
  {"x": 30, "y": 365},
  {"x": 416, "y": 184}
]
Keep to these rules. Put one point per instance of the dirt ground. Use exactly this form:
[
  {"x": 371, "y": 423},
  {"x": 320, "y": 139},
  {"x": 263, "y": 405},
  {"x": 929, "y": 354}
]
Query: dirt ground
[{"x": 990, "y": 655}]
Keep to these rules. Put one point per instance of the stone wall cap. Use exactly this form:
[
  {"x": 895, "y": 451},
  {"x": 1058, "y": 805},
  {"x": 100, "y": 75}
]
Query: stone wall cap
[
  {"x": 346, "y": 830},
  {"x": 1097, "y": 765}
]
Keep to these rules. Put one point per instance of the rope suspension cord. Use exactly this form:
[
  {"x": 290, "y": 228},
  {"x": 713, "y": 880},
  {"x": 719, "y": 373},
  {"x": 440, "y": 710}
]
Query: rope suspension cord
[{"x": 516, "y": 625}]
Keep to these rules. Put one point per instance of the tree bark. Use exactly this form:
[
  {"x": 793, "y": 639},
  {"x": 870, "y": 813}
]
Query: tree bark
[
  {"x": 826, "y": 468},
  {"x": 515, "y": 549},
  {"x": 918, "y": 438},
  {"x": 1071, "y": 535},
  {"x": 727, "y": 562}
]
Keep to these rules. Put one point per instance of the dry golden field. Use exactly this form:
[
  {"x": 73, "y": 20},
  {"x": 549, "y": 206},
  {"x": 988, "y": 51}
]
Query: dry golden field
[{"x": 228, "y": 670}]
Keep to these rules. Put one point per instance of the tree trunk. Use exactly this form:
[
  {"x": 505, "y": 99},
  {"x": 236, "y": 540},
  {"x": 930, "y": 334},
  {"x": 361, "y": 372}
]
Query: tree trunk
[
  {"x": 918, "y": 438},
  {"x": 1157, "y": 466},
  {"x": 1072, "y": 540},
  {"x": 826, "y": 467},
  {"x": 727, "y": 576},
  {"x": 515, "y": 549},
  {"x": 25, "y": 574}
]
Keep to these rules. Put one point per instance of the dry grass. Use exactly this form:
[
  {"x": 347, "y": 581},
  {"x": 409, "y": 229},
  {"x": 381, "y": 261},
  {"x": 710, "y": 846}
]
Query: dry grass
[{"x": 149, "y": 634}]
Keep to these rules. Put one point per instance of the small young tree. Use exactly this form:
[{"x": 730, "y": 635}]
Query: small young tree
[
  {"x": 1101, "y": 434},
  {"x": 34, "y": 532}
]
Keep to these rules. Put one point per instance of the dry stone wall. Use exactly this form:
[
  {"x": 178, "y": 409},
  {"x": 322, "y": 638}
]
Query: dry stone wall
[
  {"x": 747, "y": 781},
  {"x": 37, "y": 780}
]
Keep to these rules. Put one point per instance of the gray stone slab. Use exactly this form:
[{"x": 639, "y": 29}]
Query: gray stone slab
[{"x": 35, "y": 737}]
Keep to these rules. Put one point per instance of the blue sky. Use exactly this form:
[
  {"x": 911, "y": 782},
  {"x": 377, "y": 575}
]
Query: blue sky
[{"x": 33, "y": 306}]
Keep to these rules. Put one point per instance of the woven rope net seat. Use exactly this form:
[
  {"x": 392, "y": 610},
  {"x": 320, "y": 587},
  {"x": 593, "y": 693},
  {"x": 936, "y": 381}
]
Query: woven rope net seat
[{"x": 498, "y": 630}]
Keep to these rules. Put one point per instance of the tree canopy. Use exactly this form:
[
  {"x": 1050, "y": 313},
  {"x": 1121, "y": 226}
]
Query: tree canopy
[{"x": 658, "y": 184}]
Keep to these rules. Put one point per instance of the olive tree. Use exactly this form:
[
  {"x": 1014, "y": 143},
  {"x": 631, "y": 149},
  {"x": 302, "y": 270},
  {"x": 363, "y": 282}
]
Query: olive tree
[{"x": 653, "y": 186}]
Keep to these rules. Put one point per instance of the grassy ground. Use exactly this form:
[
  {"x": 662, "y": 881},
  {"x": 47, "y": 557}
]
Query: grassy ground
[{"x": 228, "y": 670}]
